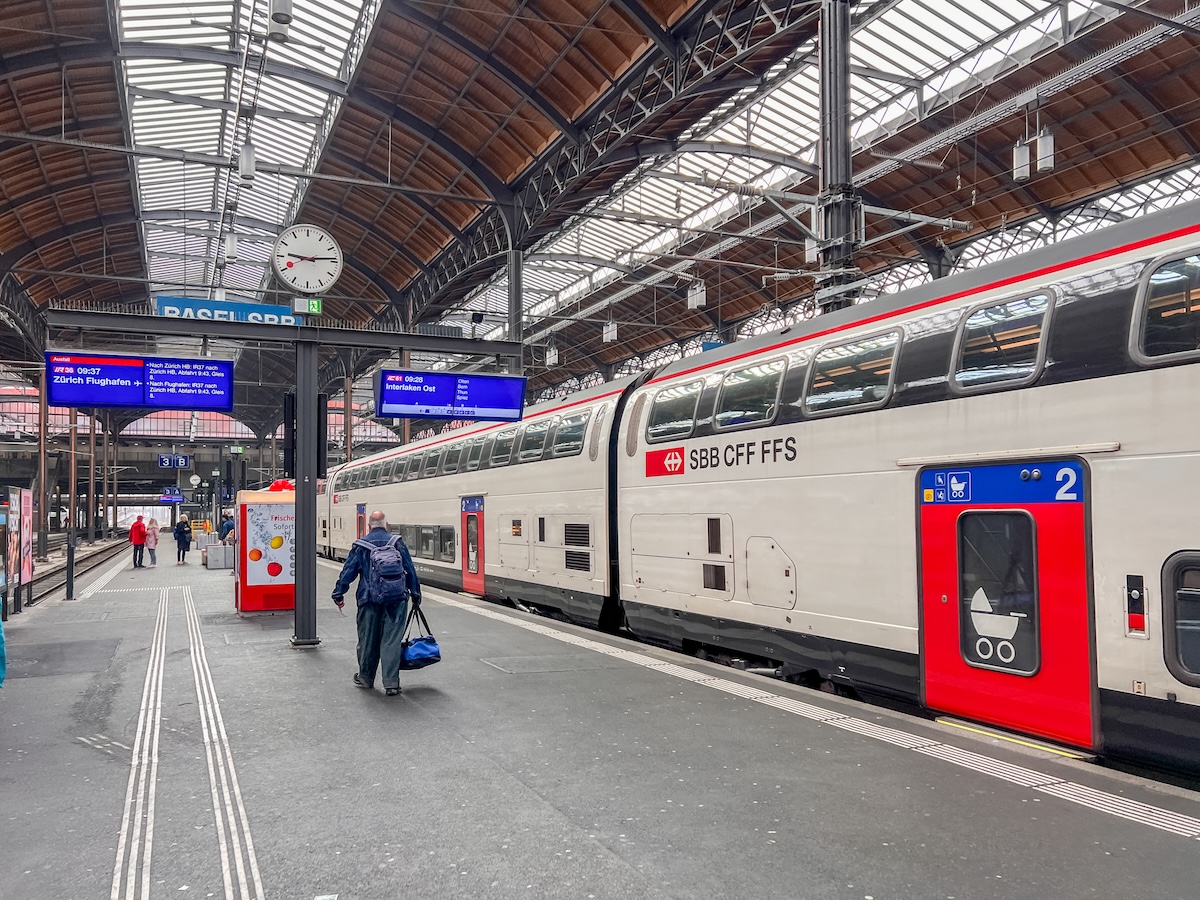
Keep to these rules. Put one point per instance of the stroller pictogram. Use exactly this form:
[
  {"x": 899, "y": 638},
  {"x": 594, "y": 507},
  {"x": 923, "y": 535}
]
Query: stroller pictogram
[{"x": 989, "y": 624}]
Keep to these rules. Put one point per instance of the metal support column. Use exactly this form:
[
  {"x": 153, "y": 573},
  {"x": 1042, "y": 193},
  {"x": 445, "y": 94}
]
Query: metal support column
[
  {"x": 43, "y": 490},
  {"x": 104, "y": 492},
  {"x": 115, "y": 487},
  {"x": 836, "y": 199},
  {"x": 73, "y": 483},
  {"x": 348, "y": 410},
  {"x": 91, "y": 504},
  {"x": 516, "y": 310},
  {"x": 306, "y": 495}
]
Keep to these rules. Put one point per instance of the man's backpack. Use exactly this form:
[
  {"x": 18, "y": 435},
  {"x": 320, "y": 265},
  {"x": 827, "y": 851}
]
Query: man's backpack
[{"x": 386, "y": 575}]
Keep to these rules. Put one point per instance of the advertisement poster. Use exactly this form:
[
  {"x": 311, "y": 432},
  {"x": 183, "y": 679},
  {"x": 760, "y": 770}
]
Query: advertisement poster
[
  {"x": 270, "y": 543},
  {"x": 14, "y": 536},
  {"x": 3, "y": 548},
  {"x": 26, "y": 536}
]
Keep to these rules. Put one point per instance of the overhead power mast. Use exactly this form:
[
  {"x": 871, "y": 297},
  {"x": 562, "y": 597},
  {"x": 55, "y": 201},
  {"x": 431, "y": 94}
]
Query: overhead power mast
[{"x": 837, "y": 206}]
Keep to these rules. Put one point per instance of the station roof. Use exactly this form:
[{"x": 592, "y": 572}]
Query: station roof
[{"x": 604, "y": 137}]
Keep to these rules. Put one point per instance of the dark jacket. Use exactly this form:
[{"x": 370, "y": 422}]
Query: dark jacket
[
  {"x": 183, "y": 534},
  {"x": 359, "y": 559},
  {"x": 226, "y": 527}
]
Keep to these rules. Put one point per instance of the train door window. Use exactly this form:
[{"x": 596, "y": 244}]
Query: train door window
[
  {"x": 1181, "y": 612},
  {"x": 502, "y": 448},
  {"x": 431, "y": 462},
  {"x": 673, "y": 412},
  {"x": 429, "y": 537},
  {"x": 597, "y": 427},
  {"x": 533, "y": 442},
  {"x": 854, "y": 375},
  {"x": 749, "y": 396},
  {"x": 453, "y": 455},
  {"x": 414, "y": 466},
  {"x": 446, "y": 544},
  {"x": 474, "y": 456},
  {"x": 635, "y": 423},
  {"x": 568, "y": 437},
  {"x": 472, "y": 547},
  {"x": 1170, "y": 311},
  {"x": 1002, "y": 345},
  {"x": 412, "y": 537},
  {"x": 998, "y": 603}
]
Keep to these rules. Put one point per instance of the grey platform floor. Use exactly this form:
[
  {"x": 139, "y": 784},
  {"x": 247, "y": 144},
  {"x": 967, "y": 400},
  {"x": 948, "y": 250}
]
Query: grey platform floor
[{"x": 537, "y": 761}]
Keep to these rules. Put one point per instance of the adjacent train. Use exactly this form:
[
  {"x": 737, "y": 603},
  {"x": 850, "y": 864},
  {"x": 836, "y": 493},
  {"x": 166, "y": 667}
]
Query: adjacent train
[{"x": 981, "y": 496}]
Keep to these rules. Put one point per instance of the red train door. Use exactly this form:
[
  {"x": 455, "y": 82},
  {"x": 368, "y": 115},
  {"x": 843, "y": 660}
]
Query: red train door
[
  {"x": 1006, "y": 632},
  {"x": 472, "y": 544}
]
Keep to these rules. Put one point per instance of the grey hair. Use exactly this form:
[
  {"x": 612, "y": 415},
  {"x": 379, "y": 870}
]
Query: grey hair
[{"x": 377, "y": 520}]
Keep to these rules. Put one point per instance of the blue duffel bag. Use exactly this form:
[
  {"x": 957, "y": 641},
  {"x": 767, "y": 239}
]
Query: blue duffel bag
[{"x": 422, "y": 650}]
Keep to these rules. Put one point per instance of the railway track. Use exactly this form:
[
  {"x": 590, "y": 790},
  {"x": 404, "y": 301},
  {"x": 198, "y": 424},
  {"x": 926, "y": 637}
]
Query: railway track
[{"x": 44, "y": 585}]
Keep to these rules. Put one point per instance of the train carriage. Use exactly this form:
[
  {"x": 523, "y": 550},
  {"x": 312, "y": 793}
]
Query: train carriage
[{"x": 980, "y": 496}]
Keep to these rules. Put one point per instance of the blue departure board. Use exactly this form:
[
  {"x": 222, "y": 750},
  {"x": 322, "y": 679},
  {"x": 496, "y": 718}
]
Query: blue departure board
[
  {"x": 446, "y": 395},
  {"x": 93, "y": 380}
]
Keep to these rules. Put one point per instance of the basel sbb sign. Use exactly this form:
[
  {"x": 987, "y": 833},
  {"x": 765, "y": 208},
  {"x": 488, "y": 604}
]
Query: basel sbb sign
[{"x": 678, "y": 460}]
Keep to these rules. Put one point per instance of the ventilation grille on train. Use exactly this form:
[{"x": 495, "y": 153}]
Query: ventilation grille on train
[
  {"x": 579, "y": 561},
  {"x": 714, "y": 577},
  {"x": 577, "y": 535}
]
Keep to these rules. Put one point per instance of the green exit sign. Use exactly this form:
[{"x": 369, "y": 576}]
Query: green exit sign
[
  {"x": 310, "y": 306},
  {"x": 237, "y": 449},
  {"x": 314, "y": 306}
]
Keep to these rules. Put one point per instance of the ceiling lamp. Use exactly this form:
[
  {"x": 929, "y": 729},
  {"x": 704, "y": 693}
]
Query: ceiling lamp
[
  {"x": 610, "y": 332},
  {"x": 246, "y": 164},
  {"x": 1021, "y": 168},
  {"x": 1045, "y": 150},
  {"x": 230, "y": 247},
  {"x": 697, "y": 294},
  {"x": 281, "y": 11},
  {"x": 277, "y": 32},
  {"x": 552, "y": 355}
]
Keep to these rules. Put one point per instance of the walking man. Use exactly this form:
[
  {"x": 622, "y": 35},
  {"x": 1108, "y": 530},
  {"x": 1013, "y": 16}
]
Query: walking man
[
  {"x": 137, "y": 537},
  {"x": 387, "y": 580}
]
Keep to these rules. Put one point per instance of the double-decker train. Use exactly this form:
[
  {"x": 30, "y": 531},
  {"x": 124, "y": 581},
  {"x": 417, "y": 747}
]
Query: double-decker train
[{"x": 981, "y": 496}]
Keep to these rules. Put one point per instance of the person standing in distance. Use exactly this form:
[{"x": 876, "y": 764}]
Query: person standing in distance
[
  {"x": 183, "y": 540},
  {"x": 137, "y": 537},
  {"x": 226, "y": 526},
  {"x": 152, "y": 540},
  {"x": 387, "y": 580}
]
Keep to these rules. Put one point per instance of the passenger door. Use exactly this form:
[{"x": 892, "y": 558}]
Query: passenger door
[
  {"x": 1006, "y": 632},
  {"x": 472, "y": 545}
]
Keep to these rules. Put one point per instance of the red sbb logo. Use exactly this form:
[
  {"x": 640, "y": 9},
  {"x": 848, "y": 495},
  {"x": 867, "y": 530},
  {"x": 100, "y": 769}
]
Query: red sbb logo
[{"x": 670, "y": 461}]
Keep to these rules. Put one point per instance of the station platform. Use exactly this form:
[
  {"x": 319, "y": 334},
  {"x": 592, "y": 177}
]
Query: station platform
[{"x": 156, "y": 744}]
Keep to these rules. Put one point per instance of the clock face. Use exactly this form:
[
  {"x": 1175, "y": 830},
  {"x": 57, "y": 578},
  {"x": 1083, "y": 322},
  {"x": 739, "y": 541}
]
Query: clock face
[{"x": 307, "y": 259}]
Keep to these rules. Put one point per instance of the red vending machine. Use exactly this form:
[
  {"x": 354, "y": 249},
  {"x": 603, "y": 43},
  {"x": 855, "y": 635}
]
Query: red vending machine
[{"x": 265, "y": 560}]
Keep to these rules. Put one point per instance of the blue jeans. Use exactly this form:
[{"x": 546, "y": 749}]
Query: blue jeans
[
  {"x": 153, "y": 556},
  {"x": 380, "y": 633}
]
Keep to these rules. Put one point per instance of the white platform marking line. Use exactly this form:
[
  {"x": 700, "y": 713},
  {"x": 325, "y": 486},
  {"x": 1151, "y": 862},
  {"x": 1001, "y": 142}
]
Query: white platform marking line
[
  {"x": 225, "y": 762},
  {"x": 151, "y": 698},
  {"x": 206, "y": 734},
  {"x": 109, "y": 574},
  {"x": 165, "y": 599},
  {"x": 1113, "y": 804}
]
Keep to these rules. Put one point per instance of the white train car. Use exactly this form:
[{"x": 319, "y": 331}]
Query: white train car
[
  {"x": 983, "y": 494},
  {"x": 508, "y": 511}
]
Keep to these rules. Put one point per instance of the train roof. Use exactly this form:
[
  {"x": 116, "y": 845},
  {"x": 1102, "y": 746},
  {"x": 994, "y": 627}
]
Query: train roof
[{"x": 1044, "y": 261}]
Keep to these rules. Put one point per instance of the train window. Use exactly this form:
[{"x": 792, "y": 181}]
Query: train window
[
  {"x": 852, "y": 375},
  {"x": 1001, "y": 344},
  {"x": 412, "y": 536},
  {"x": 446, "y": 544},
  {"x": 594, "y": 443},
  {"x": 401, "y": 467},
  {"x": 1170, "y": 308},
  {"x": 431, "y": 462},
  {"x": 385, "y": 474},
  {"x": 453, "y": 455},
  {"x": 414, "y": 466},
  {"x": 749, "y": 396},
  {"x": 533, "y": 442},
  {"x": 673, "y": 412},
  {"x": 568, "y": 439},
  {"x": 472, "y": 461},
  {"x": 635, "y": 421},
  {"x": 1181, "y": 612},
  {"x": 502, "y": 448},
  {"x": 998, "y": 603},
  {"x": 429, "y": 536}
]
